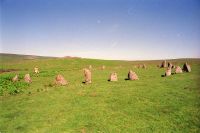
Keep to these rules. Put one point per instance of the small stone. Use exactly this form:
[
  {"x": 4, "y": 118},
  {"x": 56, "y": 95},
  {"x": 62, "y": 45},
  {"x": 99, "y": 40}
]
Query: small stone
[
  {"x": 87, "y": 76},
  {"x": 132, "y": 75},
  {"x": 113, "y": 77},
  {"x": 36, "y": 70},
  {"x": 168, "y": 72},
  {"x": 27, "y": 78},
  {"x": 186, "y": 67},
  {"x": 15, "y": 79},
  {"x": 60, "y": 80},
  {"x": 178, "y": 70},
  {"x": 163, "y": 64}
]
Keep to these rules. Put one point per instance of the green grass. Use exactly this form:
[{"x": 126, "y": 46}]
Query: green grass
[{"x": 151, "y": 104}]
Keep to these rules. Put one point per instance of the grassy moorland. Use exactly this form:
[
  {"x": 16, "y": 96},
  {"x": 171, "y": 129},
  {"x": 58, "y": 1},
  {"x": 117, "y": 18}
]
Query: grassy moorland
[{"x": 151, "y": 104}]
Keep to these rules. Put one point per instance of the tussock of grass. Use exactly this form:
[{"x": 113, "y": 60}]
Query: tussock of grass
[{"x": 9, "y": 87}]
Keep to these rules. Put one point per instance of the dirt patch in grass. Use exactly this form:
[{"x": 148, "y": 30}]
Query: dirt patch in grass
[{"x": 8, "y": 70}]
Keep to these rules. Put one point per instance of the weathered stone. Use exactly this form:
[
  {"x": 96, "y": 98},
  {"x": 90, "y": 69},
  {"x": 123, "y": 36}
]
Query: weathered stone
[
  {"x": 103, "y": 67},
  {"x": 173, "y": 66},
  {"x": 27, "y": 78},
  {"x": 144, "y": 66},
  {"x": 132, "y": 75},
  {"x": 15, "y": 79},
  {"x": 36, "y": 70},
  {"x": 113, "y": 77},
  {"x": 87, "y": 76},
  {"x": 141, "y": 66},
  {"x": 170, "y": 65},
  {"x": 186, "y": 67},
  {"x": 163, "y": 64},
  {"x": 60, "y": 80},
  {"x": 90, "y": 67},
  {"x": 168, "y": 72},
  {"x": 178, "y": 70}
]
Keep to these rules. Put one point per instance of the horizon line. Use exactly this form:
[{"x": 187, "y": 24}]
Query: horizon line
[{"x": 68, "y": 56}]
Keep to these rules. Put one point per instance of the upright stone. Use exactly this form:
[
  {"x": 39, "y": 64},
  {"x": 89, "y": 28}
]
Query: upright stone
[
  {"x": 132, "y": 75},
  {"x": 15, "y": 79},
  {"x": 178, "y": 70},
  {"x": 163, "y": 64},
  {"x": 60, "y": 80},
  {"x": 36, "y": 70},
  {"x": 27, "y": 78},
  {"x": 173, "y": 66},
  {"x": 90, "y": 67},
  {"x": 113, "y": 77},
  {"x": 168, "y": 72},
  {"x": 103, "y": 67},
  {"x": 144, "y": 66},
  {"x": 87, "y": 76},
  {"x": 170, "y": 65},
  {"x": 186, "y": 67}
]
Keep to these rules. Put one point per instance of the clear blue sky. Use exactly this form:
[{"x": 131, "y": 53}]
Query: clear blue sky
[{"x": 105, "y": 29}]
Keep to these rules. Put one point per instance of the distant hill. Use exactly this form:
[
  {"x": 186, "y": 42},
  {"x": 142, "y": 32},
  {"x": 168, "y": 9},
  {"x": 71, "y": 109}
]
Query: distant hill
[
  {"x": 7, "y": 56},
  {"x": 15, "y": 57}
]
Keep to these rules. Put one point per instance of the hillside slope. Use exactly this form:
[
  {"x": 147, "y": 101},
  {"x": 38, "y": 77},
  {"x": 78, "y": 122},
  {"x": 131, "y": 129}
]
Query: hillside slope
[{"x": 150, "y": 104}]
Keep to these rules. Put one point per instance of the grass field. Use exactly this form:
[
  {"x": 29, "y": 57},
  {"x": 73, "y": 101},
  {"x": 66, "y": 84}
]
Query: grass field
[{"x": 151, "y": 104}]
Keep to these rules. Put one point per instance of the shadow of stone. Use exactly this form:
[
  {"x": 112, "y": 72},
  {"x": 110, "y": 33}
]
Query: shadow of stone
[{"x": 162, "y": 75}]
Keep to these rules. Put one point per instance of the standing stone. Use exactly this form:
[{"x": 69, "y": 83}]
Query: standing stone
[
  {"x": 132, "y": 75},
  {"x": 168, "y": 72},
  {"x": 27, "y": 78},
  {"x": 173, "y": 66},
  {"x": 164, "y": 64},
  {"x": 36, "y": 70},
  {"x": 144, "y": 66},
  {"x": 87, "y": 76},
  {"x": 178, "y": 70},
  {"x": 113, "y": 77},
  {"x": 60, "y": 80},
  {"x": 103, "y": 67},
  {"x": 170, "y": 65},
  {"x": 139, "y": 66},
  {"x": 15, "y": 79},
  {"x": 90, "y": 67},
  {"x": 186, "y": 67}
]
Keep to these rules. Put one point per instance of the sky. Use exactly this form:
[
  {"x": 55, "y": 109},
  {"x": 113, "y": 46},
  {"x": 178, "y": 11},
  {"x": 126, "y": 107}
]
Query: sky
[{"x": 103, "y": 29}]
